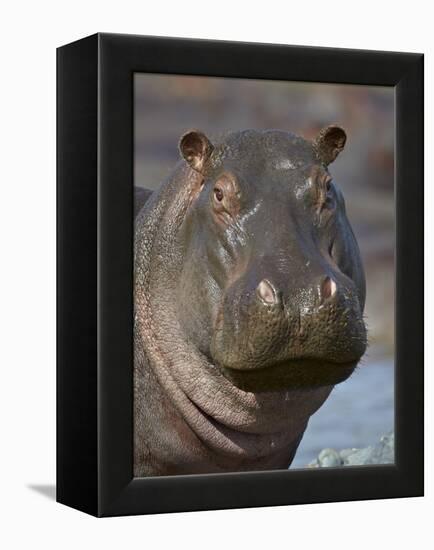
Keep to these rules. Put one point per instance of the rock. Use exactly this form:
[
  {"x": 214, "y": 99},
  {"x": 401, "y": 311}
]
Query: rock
[
  {"x": 381, "y": 453},
  {"x": 329, "y": 457}
]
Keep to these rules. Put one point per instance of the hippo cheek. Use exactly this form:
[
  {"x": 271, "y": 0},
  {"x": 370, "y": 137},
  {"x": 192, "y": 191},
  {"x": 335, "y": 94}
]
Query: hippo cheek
[
  {"x": 247, "y": 335},
  {"x": 337, "y": 332}
]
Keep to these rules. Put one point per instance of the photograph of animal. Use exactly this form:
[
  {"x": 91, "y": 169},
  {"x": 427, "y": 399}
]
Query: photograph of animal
[{"x": 249, "y": 300}]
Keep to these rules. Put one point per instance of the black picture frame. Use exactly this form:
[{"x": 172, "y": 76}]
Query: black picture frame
[{"x": 95, "y": 274}]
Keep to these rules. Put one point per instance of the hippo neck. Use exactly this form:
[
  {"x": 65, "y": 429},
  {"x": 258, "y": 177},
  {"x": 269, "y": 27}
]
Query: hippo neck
[{"x": 227, "y": 419}]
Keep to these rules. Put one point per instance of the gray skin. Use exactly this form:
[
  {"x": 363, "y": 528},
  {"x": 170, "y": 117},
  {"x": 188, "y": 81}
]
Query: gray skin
[{"x": 249, "y": 297}]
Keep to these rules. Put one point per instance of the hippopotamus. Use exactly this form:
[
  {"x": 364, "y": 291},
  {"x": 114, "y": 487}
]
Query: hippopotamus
[{"x": 249, "y": 295}]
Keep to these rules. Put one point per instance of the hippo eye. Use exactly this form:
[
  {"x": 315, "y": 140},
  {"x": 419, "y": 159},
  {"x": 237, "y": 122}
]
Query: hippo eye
[
  {"x": 224, "y": 197},
  {"x": 328, "y": 193},
  {"x": 218, "y": 194}
]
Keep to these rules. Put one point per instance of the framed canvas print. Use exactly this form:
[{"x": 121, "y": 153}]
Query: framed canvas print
[{"x": 240, "y": 275}]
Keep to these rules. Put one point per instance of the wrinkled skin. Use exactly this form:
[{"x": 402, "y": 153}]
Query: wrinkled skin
[{"x": 249, "y": 297}]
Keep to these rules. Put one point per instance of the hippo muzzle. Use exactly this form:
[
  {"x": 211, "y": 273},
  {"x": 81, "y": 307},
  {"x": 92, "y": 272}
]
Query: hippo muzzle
[{"x": 265, "y": 338}]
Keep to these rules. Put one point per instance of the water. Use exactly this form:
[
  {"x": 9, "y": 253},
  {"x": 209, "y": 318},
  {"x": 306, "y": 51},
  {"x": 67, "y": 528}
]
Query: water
[{"x": 357, "y": 413}]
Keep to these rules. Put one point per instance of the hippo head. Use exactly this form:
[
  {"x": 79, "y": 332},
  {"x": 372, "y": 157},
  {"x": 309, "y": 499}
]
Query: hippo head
[{"x": 272, "y": 288}]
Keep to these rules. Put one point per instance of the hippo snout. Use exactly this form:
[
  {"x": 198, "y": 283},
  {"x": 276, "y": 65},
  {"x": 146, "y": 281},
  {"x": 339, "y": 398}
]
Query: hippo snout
[{"x": 264, "y": 328}]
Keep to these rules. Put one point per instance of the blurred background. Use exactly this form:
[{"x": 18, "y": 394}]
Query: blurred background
[{"x": 361, "y": 409}]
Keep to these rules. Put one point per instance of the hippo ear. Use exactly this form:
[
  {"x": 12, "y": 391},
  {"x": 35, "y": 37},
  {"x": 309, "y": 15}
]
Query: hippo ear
[
  {"x": 329, "y": 143},
  {"x": 196, "y": 148}
]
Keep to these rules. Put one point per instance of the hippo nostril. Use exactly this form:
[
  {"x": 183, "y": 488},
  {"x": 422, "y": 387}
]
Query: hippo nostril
[
  {"x": 328, "y": 288},
  {"x": 266, "y": 292}
]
